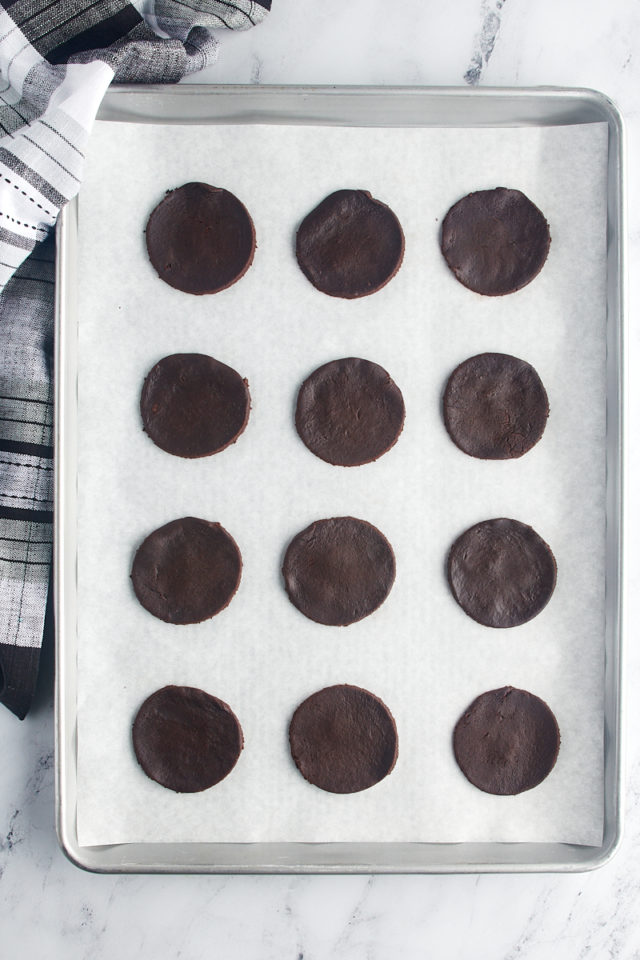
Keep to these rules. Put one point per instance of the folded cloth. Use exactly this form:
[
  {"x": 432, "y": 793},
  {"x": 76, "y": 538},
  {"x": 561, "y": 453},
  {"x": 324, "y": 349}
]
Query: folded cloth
[{"x": 57, "y": 58}]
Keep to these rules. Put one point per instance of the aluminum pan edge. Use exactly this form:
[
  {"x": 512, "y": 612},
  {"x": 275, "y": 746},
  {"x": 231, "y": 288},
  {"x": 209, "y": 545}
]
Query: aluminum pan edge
[{"x": 345, "y": 105}]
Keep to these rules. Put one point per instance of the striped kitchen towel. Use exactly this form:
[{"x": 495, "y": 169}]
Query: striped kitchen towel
[{"x": 57, "y": 58}]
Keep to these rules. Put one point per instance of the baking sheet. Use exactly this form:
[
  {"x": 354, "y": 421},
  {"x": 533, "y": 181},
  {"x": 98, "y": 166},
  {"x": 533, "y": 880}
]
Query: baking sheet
[{"x": 419, "y": 652}]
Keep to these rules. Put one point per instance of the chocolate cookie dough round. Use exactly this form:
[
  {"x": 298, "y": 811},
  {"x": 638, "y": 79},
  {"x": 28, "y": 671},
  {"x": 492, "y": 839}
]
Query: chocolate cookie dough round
[
  {"x": 495, "y": 241},
  {"x": 507, "y": 741},
  {"x": 185, "y": 739},
  {"x": 350, "y": 245},
  {"x": 495, "y": 406},
  {"x": 349, "y": 412},
  {"x": 343, "y": 739},
  {"x": 501, "y": 572},
  {"x": 338, "y": 571},
  {"x": 200, "y": 238},
  {"x": 194, "y": 406},
  {"x": 186, "y": 571}
]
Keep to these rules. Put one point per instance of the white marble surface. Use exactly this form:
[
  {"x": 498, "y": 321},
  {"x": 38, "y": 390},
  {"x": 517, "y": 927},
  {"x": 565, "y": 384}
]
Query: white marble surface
[{"x": 50, "y": 909}]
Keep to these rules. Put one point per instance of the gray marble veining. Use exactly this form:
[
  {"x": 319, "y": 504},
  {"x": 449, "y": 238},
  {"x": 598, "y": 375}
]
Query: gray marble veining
[{"x": 485, "y": 41}]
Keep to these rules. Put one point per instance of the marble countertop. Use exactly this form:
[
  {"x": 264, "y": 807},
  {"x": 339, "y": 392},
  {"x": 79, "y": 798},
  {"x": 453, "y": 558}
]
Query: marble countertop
[{"x": 48, "y": 907}]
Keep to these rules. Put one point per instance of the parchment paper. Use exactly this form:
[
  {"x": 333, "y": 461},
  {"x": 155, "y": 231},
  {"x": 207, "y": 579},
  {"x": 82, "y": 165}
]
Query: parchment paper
[{"x": 419, "y": 652}]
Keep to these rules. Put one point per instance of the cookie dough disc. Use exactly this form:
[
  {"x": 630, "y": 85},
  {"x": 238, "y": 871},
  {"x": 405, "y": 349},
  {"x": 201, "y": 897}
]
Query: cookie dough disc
[
  {"x": 200, "y": 238},
  {"x": 495, "y": 406},
  {"x": 338, "y": 571},
  {"x": 343, "y": 739},
  {"x": 507, "y": 741},
  {"x": 501, "y": 572},
  {"x": 350, "y": 245},
  {"x": 349, "y": 412},
  {"x": 186, "y": 571},
  {"x": 495, "y": 241},
  {"x": 185, "y": 739},
  {"x": 193, "y": 405}
]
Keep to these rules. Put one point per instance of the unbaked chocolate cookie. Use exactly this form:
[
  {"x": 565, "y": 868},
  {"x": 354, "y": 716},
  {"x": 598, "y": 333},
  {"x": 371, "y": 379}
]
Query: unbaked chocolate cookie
[
  {"x": 501, "y": 572},
  {"x": 495, "y": 406},
  {"x": 338, "y": 571},
  {"x": 186, "y": 571},
  {"x": 185, "y": 739},
  {"x": 507, "y": 741},
  {"x": 193, "y": 405},
  {"x": 200, "y": 238},
  {"x": 349, "y": 412},
  {"x": 495, "y": 241},
  {"x": 350, "y": 245},
  {"x": 343, "y": 739}
]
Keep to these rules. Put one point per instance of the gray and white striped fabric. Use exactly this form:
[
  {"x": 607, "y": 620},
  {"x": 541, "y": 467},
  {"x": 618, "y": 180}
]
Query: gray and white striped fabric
[{"x": 57, "y": 58}]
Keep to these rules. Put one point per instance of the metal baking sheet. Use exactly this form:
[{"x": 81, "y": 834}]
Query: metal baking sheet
[{"x": 351, "y": 107}]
